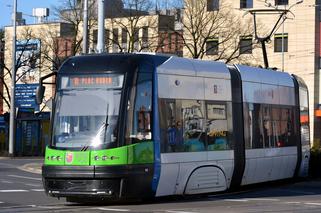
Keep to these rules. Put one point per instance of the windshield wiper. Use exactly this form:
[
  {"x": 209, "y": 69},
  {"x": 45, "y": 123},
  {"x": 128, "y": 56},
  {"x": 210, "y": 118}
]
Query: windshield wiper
[{"x": 106, "y": 122}]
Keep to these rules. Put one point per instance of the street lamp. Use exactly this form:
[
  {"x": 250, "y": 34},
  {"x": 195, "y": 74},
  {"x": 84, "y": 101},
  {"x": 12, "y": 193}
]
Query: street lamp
[
  {"x": 85, "y": 33},
  {"x": 101, "y": 26},
  {"x": 13, "y": 83}
]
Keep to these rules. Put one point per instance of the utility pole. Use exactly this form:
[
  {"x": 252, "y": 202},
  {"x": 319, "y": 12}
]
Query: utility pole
[
  {"x": 12, "y": 128},
  {"x": 101, "y": 26},
  {"x": 85, "y": 33},
  {"x": 284, "y": 18}
]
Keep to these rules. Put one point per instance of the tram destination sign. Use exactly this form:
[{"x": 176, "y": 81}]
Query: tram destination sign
[
  {"x": 92, "y": 81},
  {"x": 25, "y": 96}
]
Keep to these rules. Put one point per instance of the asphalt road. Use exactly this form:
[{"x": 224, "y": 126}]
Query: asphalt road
[{"x": 22, "y": 191}]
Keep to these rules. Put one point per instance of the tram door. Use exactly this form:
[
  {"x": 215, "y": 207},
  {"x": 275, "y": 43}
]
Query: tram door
[{"x": 27, "y": 140}]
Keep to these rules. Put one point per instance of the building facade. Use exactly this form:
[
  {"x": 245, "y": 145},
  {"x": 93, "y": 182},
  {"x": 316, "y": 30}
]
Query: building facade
[
  {"x": 294, "y": 47},
  {"x": 2, "y": 44}
]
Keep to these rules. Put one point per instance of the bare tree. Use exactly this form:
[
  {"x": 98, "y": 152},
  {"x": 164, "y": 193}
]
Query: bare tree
[
  {"x": 204, "y": 21},
  {"x": 27, "y": 63},
  {"x": 71, "y": 12}
]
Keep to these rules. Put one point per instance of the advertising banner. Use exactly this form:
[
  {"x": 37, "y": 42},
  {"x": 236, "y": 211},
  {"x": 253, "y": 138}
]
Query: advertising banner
[{"x": 28, "y": 61}]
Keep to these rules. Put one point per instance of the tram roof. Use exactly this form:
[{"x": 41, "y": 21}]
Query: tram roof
[{"x": 106, "y": 62}]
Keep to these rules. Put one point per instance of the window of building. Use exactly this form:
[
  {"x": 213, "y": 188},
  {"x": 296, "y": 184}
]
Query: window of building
[
  {"x": 124, "y": 39},
  {"x": 107, "y": 39},
  {"x": 136, "y": 35},
  {"x": 281, "y": 2},
  {"x": 246, "y": 45},
  {"x": 95, "y": 37},
  {"x": 145, "y": 34},
  {"x": 136, "y": 39},
  {"x": 145, "y": 37},
  {"x": 170, "y": 41},
  {"x": 213, "y": 5},
  {"x": 212, "y": 46},
  {"x": 124, "y": 36},
  {"x": 115, "y": 40},
  {"x": 246, "y": 3},
  {"x": 278, "y": 38}
]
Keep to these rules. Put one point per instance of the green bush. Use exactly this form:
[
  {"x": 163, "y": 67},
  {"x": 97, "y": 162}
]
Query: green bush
[{"x": 315, "y": 162}]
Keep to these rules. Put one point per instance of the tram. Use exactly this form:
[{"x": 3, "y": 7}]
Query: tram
[{"x": 141, "y": 125}]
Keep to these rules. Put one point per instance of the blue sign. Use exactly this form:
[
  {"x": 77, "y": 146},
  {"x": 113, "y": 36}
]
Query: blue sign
[
  {"x": 25, "y": 96},
  {"x": 2, "y": 123}
]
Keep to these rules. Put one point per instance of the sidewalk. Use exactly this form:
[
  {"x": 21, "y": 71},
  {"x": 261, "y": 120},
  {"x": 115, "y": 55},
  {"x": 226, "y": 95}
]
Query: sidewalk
[
  {"x": 31, "y": 167},
  {"x": 28, "y": 167}
]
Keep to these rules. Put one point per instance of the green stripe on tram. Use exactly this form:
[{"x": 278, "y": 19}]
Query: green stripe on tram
[{"x": 139, "y": 153}]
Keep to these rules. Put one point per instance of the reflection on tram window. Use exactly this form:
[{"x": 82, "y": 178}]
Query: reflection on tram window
[
  {"x": 171, "y": 128},
  {"x": 194, "y": 125},
  {"x": 217, "y": 126},
  {"x": 253, "y": 126},
  {"x": 139, "y": 110},
  {"x": 192, "y": 114},
  {"x": 268, "y": 126}
]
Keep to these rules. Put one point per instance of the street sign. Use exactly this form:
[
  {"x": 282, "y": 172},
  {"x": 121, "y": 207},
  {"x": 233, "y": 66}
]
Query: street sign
[{"x": 25, "y": 96}]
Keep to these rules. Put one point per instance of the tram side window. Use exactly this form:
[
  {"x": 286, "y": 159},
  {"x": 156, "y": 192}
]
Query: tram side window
[
  {"x": 139, "y": 112},
  {"x": 192, "y": 117},
  {"x": 267, "y": 126},
  {"x": 287, "y": 126},
  {"x": 182, "y": 125},
  {"x": 171, "y": 129},
  {"x": 217, "y": 127},
  {"x": 276, "y": 127},
  {"x": 253, "y": 126},
  {"x": 304, "y": 117},
  {"x": 283, "y": 126}
]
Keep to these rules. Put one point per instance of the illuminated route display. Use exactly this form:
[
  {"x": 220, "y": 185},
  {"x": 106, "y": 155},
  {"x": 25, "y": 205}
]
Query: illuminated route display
[{"x": 92, "y": 81}]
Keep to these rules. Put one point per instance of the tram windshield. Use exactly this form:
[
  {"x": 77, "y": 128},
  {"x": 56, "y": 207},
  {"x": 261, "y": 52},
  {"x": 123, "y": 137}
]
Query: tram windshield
[{"x": 87, "y": 109}]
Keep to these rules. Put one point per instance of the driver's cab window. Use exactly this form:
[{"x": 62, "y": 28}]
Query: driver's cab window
[{"x": 140, "y": 110}]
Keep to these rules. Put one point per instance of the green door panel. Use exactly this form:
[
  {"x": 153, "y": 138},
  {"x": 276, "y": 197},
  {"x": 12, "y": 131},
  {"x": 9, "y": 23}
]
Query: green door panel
[
  {"x": 54, "y": 157},
  {"x": 141, "y": 153}
]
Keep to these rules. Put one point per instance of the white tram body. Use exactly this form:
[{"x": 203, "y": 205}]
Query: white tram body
[{"x": 207, "y": 170}]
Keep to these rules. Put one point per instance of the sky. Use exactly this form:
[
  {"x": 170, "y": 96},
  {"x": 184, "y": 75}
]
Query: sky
[{"x": 24, "y": 6}]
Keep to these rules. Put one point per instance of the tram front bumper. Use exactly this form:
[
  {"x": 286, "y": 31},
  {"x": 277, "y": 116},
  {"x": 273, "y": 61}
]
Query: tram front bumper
[{"x": 114, "y": 182}]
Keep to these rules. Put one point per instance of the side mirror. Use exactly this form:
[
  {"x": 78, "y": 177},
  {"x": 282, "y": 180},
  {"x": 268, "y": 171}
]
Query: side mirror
[{"x": 40, "y": 93}]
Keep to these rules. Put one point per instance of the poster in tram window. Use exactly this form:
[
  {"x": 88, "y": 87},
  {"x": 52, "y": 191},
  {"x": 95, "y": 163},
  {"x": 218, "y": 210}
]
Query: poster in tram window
[{"x": 28, "y": 61}]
